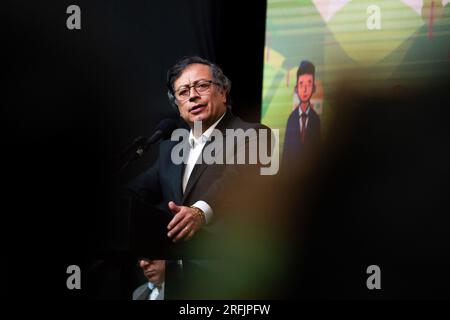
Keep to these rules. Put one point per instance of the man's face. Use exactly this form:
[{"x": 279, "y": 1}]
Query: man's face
[
  {"x": 207, "y": 107},
  {"x": 154, "y": 270},
  {"x": 305, "y": 87}
]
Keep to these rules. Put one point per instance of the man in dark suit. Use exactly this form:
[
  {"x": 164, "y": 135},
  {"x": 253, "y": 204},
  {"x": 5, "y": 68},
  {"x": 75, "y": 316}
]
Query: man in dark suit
[
  {"x": 193, "y": 193},
  {"x": 303, "y": 125},
  {"x": 153, "y": 289}
]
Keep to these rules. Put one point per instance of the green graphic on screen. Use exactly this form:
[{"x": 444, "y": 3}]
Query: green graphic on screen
[{"x": 380, "y": 44}]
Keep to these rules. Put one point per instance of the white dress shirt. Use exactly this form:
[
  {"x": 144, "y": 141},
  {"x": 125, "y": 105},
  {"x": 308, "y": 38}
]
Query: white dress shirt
[
  {"x": 196, "y": 146},
  {"x": 155, "y": 292},
  {"x": 300, "y": 112}
]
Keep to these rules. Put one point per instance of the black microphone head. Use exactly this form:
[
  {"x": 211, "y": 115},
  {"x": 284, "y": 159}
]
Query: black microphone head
[
  {"x": 163, "y": 130},
  {"x": 166, "y": 126}
]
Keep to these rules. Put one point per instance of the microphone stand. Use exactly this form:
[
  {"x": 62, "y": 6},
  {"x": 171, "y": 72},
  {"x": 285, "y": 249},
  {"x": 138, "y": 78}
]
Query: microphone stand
[{"x": 138, "y": 147}]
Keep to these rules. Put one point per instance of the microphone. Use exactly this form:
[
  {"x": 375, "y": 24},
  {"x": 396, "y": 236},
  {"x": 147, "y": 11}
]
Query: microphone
[
  {"x": 163, "y": 130},
  {"x": 136, "y": 143}
]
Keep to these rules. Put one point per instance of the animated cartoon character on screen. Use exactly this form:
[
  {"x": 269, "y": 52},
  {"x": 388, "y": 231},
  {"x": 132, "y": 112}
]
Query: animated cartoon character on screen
[{"x": 303, "y": 125}]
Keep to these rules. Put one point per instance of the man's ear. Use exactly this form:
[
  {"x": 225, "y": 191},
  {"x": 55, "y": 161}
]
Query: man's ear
[
  {"x": 176, "y": 107},
  {"x": 224, "y": 96},
  {"x": 314, "y": 88}
]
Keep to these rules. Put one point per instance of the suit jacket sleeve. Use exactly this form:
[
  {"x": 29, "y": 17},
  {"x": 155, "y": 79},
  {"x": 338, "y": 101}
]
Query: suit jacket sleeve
[{"x": 146, "y": 185}]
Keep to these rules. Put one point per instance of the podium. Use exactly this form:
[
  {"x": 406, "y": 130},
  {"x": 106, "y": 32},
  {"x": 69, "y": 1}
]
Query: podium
[{"x": 141, "y": 228}]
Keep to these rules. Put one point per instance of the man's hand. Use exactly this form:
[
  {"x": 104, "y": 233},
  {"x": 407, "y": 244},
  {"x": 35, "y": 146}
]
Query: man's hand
[{"x": 185, "y": 223}]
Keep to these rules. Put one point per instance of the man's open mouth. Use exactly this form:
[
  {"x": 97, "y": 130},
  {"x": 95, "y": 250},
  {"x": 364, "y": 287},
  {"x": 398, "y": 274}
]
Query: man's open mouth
[{"x": 197, "y": 108}]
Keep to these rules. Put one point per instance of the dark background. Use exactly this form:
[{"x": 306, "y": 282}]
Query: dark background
[{"x": 74, "y": 99}]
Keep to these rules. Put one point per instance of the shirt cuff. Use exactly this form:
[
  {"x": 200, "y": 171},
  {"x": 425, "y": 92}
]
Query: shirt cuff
[{"x": 202, "y": 205}]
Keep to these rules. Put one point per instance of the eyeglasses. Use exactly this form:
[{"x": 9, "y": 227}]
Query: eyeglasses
[{"x": 201, "y": 87}]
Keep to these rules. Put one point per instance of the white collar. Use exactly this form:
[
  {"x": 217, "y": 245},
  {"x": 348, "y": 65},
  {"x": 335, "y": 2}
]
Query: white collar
[
  {"x": 151, "y": 285},
  {"x": 300, "y": 112},
  {"x": 205, "y": 135}
]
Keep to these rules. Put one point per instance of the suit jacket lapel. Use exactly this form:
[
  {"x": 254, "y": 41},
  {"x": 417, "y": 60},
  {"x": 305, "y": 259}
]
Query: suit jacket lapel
[
  {"x": 311, "y": 128},
  {"x": 200, "y": 168},
  {"x": 195, "y": 175},
  {"x": 177, "y": 179},
  {"x": 144, "y": 295}
]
